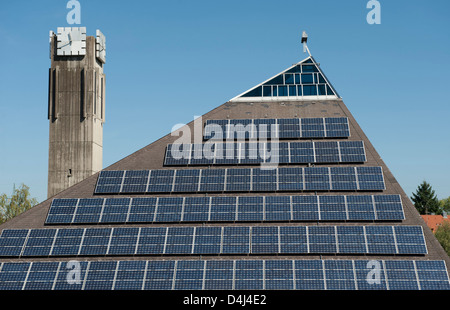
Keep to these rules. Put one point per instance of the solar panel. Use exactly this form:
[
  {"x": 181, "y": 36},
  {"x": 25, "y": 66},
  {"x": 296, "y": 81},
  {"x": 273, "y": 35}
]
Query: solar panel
[
  {"x": 109, "y": 182},
  {"x": 142, "y": 210},
  {"x": 207, "y": 240},
  {"x": 264, "y": 240},
  {"x": 123, "y": 241},
  {"x": 269, "y": 274},
  {"x": 277, "y": 208},
  {"x": 230, "y": 209},
  {"x": 179, "y": 240},
  {"x": 264, "y": 180},
  {"x": 249, "y": 274},
  {"x": 352, "y": 151},
  {"x": 343, "y": 178},
  {"x": 333, "y": 208},
  {"x": 12, "y": 242},
  {"x": 88, "y": 210},
  {"x": 233, "y": 240},
  {"x": 273, "y": 151},
  {"x": 223, "y": 209},
  {"x": 39, "y": 242},
  {"x": 312, "y": 128},
  {"x": 101, "y": 275},
  {"x": 160, "y": 181},
  {"x": 95, "y": 241},
  {"x": 196, "y": 209},
  {"x": 317, "y": 178},
  {"x": 238, "y": 180},
  {"x": 115, "y": 210},
  {"x": 370, "y": 178},
  {"x": 250, "y": 209},
  {"x": 61, "y": 210},
  {"x": 169, "y": 209},
  {"x": 68, "y": 242},
  {"x": 337, "y": 127},
  {"x": 219, "y": 275},
  {"x": 130, "y": 275},
  {"x": 327, "y": 152},
  {"x": 212, "y": 180},
  {"x": 215, "y": 129},
  {"x": 284, "y": 128},
  {"x": 151, "y": 240},
  {"x": 189, "y": 275},
  {"x": 289, "y": 178},
  {"x": 135, "y": 181},
  {"x": 178, "y": 154}
]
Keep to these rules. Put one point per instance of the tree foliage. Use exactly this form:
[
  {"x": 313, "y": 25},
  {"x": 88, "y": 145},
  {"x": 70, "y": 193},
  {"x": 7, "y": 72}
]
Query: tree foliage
[
  {"x": 445, "y": 204},
  {"x": 19, "y": 202},
  {"x": 425, "y": 199},
  {"x": 443, "y": 236}
]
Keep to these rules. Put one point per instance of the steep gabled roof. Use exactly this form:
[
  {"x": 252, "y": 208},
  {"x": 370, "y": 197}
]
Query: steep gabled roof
[{"x": 330, "y": 221}]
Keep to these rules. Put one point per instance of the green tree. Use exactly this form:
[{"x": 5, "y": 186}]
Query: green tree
[
  {"x": 19, "y": 202},
  {"x": 443, "y": 236},
  {"x": 445, "y": 204},
  {"x": 425, "y": 199}
]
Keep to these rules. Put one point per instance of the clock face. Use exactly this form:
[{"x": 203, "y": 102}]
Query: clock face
[
  {"x": 100, "y": 46},
  {"x": 71, "y": 41}
]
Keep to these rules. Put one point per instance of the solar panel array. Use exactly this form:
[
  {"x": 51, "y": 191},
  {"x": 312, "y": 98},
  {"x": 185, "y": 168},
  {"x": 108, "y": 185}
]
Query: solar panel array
[
  {"x": 242, "y": 180},
  {"x": 239, "y": 240},
  {"x": 225, "y": 275},
  {"x": 225, "y": 209},
  {"x": 292, "y": 128},
  {"x": 265, "y": 152},
  {"x": 221, "y": 236}
]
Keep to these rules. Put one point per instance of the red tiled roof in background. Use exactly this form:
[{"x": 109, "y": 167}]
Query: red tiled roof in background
[{"x": 434, "y": 221}]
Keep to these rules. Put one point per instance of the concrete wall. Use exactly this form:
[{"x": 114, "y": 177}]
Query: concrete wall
[{"x": 76, "y": 116}]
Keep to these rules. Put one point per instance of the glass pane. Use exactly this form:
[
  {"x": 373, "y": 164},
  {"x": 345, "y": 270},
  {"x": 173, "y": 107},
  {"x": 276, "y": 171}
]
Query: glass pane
[
  {"x": 289, "y": 78},
  {"x": 322, "y": 90},
  {"x": 257, "y": 92},
  {"x": 329, "y": 91},
  {"x": 276, "y": 80},
  {"x": 297, "y": 79},
  {"x": 299, "y": 90},
  {"x": 321, "y": 79},
  {"x": 309, "y": 68},
  {"x": 292, "y": 90},
  {"x": 267, "y": 91},
  {"x": 309, "y": 90},
  {"x": 282, "y": 90},
  {"x": 307, "y": 79}
]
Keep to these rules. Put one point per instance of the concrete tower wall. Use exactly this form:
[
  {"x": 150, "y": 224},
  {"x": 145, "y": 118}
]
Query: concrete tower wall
[{"x": 76, "y": 111}]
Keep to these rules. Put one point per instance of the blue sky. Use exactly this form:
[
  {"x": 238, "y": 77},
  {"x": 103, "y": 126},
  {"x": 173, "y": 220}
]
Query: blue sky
[{"x": 168, "y": 61}]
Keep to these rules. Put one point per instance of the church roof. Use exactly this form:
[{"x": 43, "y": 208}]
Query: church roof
[{"x": 325, "y": 213}]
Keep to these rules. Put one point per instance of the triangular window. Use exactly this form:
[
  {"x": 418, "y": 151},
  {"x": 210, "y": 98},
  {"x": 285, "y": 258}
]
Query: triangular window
[{"x": 301, "y": 81}]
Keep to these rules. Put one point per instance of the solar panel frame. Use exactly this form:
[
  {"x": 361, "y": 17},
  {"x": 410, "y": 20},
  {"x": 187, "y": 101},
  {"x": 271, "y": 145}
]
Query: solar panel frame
[{"x": 261, "y": 274}]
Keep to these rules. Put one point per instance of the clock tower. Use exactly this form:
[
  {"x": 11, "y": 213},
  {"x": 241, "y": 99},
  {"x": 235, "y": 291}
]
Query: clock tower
[{"x": 76, "y": 106}]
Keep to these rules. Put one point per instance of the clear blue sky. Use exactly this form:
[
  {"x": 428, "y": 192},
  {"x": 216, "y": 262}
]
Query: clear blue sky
[{"x": 168, "y": 61}]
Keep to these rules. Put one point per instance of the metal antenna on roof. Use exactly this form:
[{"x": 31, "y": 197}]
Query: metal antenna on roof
[{"x": 304, "y": 40}]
